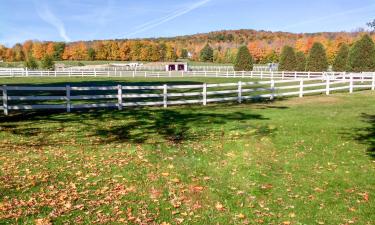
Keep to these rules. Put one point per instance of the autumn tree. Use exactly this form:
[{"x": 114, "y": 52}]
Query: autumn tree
[
  {"x": 50, "y": 49},
  {"x": 244, "y": 60},
  {"x": 341, "y": 60},
  {"x": 38, "y": 50},
  {"x": 207, "y": 54},
  {"x": 301, "y": 61},
  {"x": 18, "y": 52},
  {"x": 125, "y": 51},
  {"x": 9, "y": 55},
  {"x": 362, "y": 55},
  {"x": 170, "y": 53},
  {"x": 155, "y": 53},
  {"x": 288, "y": 59},
  {"x": 317, "y": 58},
  {"x": 2, "y": 52},
  {"x": 27, "y": 48},
  {"x": 114, "y": 51}
]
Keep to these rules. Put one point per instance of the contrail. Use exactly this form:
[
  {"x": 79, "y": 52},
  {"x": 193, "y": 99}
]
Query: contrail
[
  {"x": 324, "y": 18},
  {"x": 156, "y": 22},
  {"x": 45, "y": 14}
]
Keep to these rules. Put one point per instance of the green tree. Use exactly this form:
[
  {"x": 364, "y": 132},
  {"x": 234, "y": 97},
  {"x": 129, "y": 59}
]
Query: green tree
[
  {"x": 59, "y": 48},
  {"x": 317, "y": 59},
  {"x": 288, "y": 60},
  {"x": 184, "y": 53},
  {"x": 341, "y": 59},
  {"x": 31, "y": 63},
  {"x": 47, "y": 62},
  {"x": 91, "y": 53},
  {"x": 362, "y": 55},
  {"x": 244, "y": 60},
  {"x": 207, "y": 54},
  {"x": 301, "y": 61}
]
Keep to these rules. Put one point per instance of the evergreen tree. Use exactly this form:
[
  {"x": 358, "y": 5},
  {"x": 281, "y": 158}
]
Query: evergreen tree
[
  {"x": 91, "y": 53},
  {"x": 47, "y": 63},
  {"x": 184, "y": 53},
  {"x": 244, "y": 60},
  {"x": 287, "y": 59},
  {"x": 31, "y": 63},
  {"x": 317, "y": 60},
  {"x": 341, "y": 59},
  {"x": 59, "y": 48},
  {"x": 362, "y": 55},
  {"x": 207, "y": 54},
  {"x": 301, "y": 61}
]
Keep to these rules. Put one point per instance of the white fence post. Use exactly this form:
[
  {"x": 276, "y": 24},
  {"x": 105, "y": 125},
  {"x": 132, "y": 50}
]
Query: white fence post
[
  {"x": 239, "y": 92},
  {"x": 272, "y": 89},
  {"x": 295, "y": 75},
  {"x": 351, "y": 84},
  {"x": 327, "y": 85},
  {"x": 204, "y": 94},
  {"x": 282, "y": 75},
  {"x": 68, "y": 104},
  {"x": 27, "y": 72},
  {"x": 373, "y": 82},
  {"x": 94, "y": 72},
  {"x": 261, "y": 75},
  {"x": 119, "y": 96},
  {"x": 165, "y": 96},
  {"x": 301, "y": 88},
  {"x": 5, "y": 100}
]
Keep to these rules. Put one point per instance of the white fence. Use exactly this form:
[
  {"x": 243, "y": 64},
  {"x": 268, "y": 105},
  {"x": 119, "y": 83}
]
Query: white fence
[
  {"x": 126, "y": 95},
  {"x": 229, "y": 74}
]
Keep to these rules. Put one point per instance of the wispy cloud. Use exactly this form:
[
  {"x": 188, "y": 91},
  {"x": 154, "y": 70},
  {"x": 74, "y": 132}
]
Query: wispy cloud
[
  {"x": 49, "y": 17},
  {"x": 159, "y": 21},
  {"x": 330, "y": 17}
]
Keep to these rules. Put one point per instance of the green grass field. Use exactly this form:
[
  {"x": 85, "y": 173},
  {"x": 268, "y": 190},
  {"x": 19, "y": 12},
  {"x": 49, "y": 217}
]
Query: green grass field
[{"x": 294, "y": 161}]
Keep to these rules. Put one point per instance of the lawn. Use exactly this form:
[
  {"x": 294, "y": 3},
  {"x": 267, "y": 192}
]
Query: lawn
[{"x": 293, "y": 161}]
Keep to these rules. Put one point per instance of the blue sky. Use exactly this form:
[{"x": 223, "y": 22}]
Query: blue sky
[{"x": 72, "y": 20}]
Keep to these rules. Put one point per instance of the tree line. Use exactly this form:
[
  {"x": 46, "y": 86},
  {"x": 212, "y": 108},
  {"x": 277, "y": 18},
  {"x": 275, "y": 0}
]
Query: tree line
[
  {"x": 300, "y": 53},
  {"x": 360, "y": 57}
]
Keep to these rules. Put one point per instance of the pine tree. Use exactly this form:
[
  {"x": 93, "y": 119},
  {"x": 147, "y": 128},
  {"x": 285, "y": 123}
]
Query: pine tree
[
  {"x": 244, "y": 60},
  {"x": 288, "y": 59},
  {"x": 362, "y": 55},
  {"x": 341, "y": 59},
  {"x": 47, "y": 62},
  {"x": 207, "y": 54},
  {"x": 317, "y": 60},
  {"x": 301, "y": 61}
]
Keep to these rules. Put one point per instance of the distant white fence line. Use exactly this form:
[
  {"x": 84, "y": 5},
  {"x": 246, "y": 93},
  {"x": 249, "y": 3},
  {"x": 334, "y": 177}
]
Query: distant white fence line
[
  {"x": 228, "y": 73},
  {"x": 120, "y": 96}
]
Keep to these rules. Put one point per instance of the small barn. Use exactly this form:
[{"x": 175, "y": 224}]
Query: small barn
[{"x": 176, "y": 66}]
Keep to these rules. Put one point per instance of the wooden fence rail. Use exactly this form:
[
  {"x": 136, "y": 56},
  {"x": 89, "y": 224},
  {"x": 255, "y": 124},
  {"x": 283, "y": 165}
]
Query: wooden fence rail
[{"x": 127, "y": 95}]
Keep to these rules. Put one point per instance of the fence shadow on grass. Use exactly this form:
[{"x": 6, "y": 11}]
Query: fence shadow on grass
[
  {"x": 366, "y": 135},
  {"x": 139, "y": 125}
]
